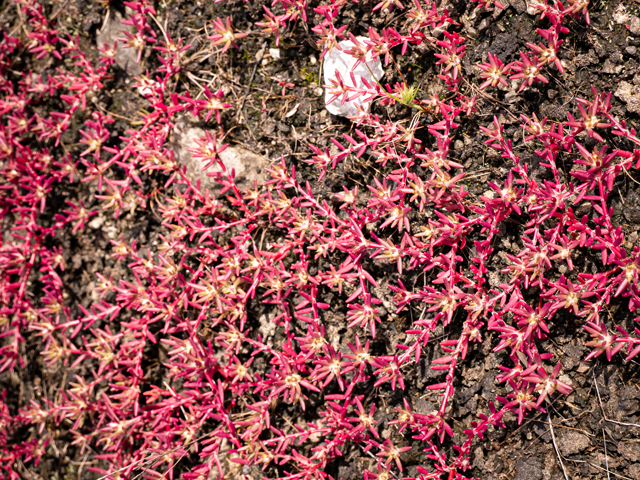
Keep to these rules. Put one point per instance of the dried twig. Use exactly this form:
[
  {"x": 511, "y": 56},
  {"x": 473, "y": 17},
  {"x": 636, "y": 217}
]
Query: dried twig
[
  {"x": 376, "y": 459},
  {"x": 253, "y": 74},
  {"x": 553, "y": 437},
  {"x": 606, "y": 459},
  {"x": 64, "y": 5},
  {"x": 604, "y": 416},
  {"x": 598, "y": 467}
]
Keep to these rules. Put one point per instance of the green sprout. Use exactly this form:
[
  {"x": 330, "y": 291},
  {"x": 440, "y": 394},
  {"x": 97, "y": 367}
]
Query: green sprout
[
  {"x": 408, "y": 94},
  {"x": 308, "y": 76}
]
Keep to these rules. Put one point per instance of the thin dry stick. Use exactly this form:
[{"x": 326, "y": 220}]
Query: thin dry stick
[
  {"x": 82, "y": 464},
  {"x": 606, "y": 459},
  {"x": 22, "y": 21},
  {"x": 143, "y": 462},
  {"x": 58, "y": 11},
  {"x": 553, "y": 437},
  {"x": 253, "y": 74},
  {"x": 584, "y": 432},
  {"x": 162, "y": 29},
  {"x": 375, "y": 458},
  {"x": 598, "y": 467},
  {"x": 604, "y": 416},
  {"x": 627, "y": 173}
]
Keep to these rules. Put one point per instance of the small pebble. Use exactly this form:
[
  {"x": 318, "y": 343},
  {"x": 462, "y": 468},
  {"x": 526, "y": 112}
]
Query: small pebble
[
  {"x": 275, "y": 53},
  {"x": 631, "y": 50},
  {"x": 312, "y": 60},
  {"x": 96, "y": 222}
]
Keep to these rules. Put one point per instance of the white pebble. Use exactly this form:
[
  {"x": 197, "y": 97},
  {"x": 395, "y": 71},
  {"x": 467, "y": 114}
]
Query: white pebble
[{"x": 275, "y": 53}]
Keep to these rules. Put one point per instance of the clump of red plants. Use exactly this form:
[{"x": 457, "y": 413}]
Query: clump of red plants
[{"x": 225, "y": 401}]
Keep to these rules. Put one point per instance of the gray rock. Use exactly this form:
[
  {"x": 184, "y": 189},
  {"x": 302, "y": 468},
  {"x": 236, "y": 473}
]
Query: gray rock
[
  {"x": 628, "y": 403},
  {"x": 585, "y": 60},
  {"x": 630, "y": 451},
  {"x": 503, "y": 46},
  {"x": 343, "y": 63},
  {"x": 248, "y": 166},
  {"x": 478, "y": 458},
  {"x": 110, "y": 32},
  {"x": 622, "y": 17},
  {"x": 542, "y": 431},
  {"x": 529, "y": 469},
  {"x": 630, "y": 94},
  {"x": 611, "y": 68},
  {"x": 634, "y": 24},
  {"x": 519, "y": 5},
  {"x": 572, "y": 442}
]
